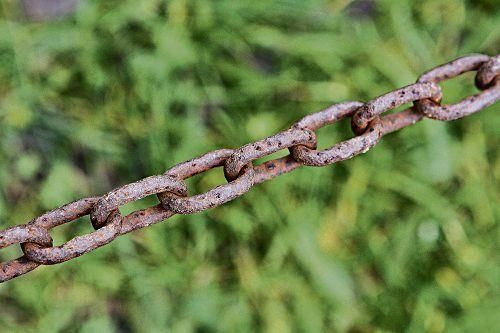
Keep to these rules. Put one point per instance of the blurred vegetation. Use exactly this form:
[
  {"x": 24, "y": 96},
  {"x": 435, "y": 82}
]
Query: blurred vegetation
[{"x": 403, "y": 238}]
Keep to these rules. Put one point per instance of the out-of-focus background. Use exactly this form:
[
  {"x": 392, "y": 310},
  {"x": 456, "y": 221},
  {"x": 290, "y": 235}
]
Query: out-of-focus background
[{"x": 96, "y": 94}]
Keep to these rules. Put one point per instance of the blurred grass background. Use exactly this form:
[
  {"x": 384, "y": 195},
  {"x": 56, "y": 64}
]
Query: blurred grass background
[{"x": 403, "y": 238}]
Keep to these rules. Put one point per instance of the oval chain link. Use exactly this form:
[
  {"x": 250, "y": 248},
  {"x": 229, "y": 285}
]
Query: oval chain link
[
  {"x": 471, "y": 104},
  {"x": 214, "y": 197},
  {"x": 389, "y": 101},
  {"x": 267, "y": 146}
]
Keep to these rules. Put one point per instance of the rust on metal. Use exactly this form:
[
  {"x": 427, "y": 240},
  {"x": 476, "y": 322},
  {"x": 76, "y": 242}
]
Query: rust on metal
[
  {"x": 328, "y": 116},
  {"x": 66, "y": 213},
  {"x": 396, "y": 121},
  {"x": 170, "y": 188},
  {"x": 17, "y": 267},
  {"x": 19, "y": 234},
  {"x": 265, "y": 147},
  {"x": 488, "y": 72},
  {"x": 465, "y": 107},
  {"x": 389, "y": 101},
  {"x": 340, "y": 151},
  {"x": 76, "y": 246},
  {"x": 214, "y": 197},
  {"x": 25, "y": 233},
  {"x": 471, "y": 104},
  {"x": 133, "y": 192},
  {"x": 274, "y": 168},
  {"x": 454, "y": 68},
  {"x": 144, "y": 218}
]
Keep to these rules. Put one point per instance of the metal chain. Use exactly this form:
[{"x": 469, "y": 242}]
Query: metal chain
[{"x": 300, "y": 140}]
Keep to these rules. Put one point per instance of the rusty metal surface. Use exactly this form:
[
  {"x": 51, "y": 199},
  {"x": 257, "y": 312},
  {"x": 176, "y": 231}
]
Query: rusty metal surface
[
  {"x": 340, "y": 151},
  {"x": 76, "y": 246},
  {"x": 250, "y": 152},
  {"x": 181, "y": 204},
  {"x": 471, "y": 104},
  {"x": 487, "y": 73},
  {"x": 132, "y": 192},
  {"x": 396, "y": 121},
  {"x": 413, "y": 92},
  {"x": 367, "y": 123}
]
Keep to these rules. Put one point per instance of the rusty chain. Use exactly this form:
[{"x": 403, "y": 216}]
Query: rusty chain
[{"x": 300, "y": 140}]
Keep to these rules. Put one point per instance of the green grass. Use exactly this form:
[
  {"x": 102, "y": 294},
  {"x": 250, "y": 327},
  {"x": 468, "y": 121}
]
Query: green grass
[{"x": 403, "y": 238}]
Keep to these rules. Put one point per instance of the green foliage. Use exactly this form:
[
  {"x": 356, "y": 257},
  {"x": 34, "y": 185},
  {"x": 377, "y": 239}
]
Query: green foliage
[{"x": 403, "y": 238}]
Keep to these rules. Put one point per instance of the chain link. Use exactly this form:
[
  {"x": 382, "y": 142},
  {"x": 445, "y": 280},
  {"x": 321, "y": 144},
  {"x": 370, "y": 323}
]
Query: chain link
[
  {"x": 214, "y": 197},
  {"x": 299, "y": 139}
]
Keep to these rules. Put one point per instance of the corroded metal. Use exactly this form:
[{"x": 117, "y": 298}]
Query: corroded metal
[
  {"x": 17, "y": 267},
  {"x": 76, "y": 246},
  {"x": 16, "y": 235},
  {"x": 488, "y": 72},
  {"x": 300, "y": 139},
  {"x": 465, "y": 107},
  {"x": 274, "y": 168},
  {"x": 133, "y": 192},
  {"x": 252, "y": 151},
  {"x": 340, "y": 151},
  {"x": 328, "y": 116},
  {"x": 214, "y": 197},
  {"x": 454, "y": 68},
  {"x": 471, "y": 104},
  {"x": 389, "y": 101},
  {"x": 396, "y": 121},
  {"x": 25, "y": 233}
]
